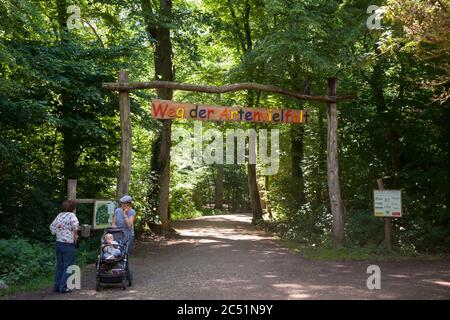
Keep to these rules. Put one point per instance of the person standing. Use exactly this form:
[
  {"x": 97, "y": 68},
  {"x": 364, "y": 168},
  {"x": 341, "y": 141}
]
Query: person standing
[
  {"x": 65, "y": 228},
  {"x": 124, "y": 218}
]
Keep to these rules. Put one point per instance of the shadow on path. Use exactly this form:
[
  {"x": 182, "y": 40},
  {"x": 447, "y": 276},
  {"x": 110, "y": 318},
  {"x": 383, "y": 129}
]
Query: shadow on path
[{"x": 225, "y": 257}]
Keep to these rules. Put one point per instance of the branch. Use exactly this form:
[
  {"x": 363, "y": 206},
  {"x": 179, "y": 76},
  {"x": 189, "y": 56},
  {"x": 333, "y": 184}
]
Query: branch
[
  {"x": 95, "y": 33},
  {"x": 236, "y": 25},
  {"x": 124, "y": 86}
]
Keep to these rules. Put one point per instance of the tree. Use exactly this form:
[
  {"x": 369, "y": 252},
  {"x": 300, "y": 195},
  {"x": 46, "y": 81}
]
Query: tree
[
  {"x": 159, "y": 35},
  {"x": 422, "y": 28}
]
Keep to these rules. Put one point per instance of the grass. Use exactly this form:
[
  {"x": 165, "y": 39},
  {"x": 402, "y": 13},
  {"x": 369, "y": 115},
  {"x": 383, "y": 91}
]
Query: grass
[
  {"x": 35, "y": 285},
  {"x": 354, "y": 253}
]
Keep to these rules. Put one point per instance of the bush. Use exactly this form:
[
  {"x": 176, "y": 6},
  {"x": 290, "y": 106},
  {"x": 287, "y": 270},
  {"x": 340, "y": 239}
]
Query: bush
[
  {"x": 306, "y": 224},
  {"x": 181, "y": 204},
  {"x": 363, "y": 228},
  {"x": 89, "y": 249},
  {"x": 21, "y": 261}
]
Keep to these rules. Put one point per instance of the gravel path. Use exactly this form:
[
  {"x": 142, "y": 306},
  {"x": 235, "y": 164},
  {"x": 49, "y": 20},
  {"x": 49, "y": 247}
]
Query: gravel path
[{"x": 224, "y": 257}]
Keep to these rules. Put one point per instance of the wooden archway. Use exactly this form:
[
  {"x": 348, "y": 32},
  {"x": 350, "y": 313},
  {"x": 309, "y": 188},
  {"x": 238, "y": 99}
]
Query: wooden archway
[{"x": 124, "y": 87}]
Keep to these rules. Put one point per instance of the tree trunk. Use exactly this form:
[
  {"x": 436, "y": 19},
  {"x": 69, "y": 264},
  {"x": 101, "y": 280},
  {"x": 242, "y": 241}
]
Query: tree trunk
[
  {"x": 297, "y": 150},
  {"x": 164, "y": 178},
  {"x": 389, "y": 119},
  {"x": 70, "y": 144},
  {"x": 255, "y": 199},
  {"x": 219, "y": 187},
  {"x": 69, "y": 149},
  {"x": 333, "y": 171},
  {"x": 297, "y": 138},
  {"x": 234, "y": 199},
  {"x": 61, "y": 8},
  {"x": 322, "y": 158},
  {"x": 163, "y": 71},
  {"x": 123, "y": 181},
  {"x": 267, "y": 187}
]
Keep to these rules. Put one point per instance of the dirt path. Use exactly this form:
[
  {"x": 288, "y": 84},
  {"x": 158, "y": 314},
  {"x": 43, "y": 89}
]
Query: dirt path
[{"x": 224, "y": 257}]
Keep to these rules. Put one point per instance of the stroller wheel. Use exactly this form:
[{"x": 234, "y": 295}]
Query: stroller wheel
[
  {"x": 130, "y": 278},
  {"x": 98, "y": 286},
  {"x": 124, "y": 281}
]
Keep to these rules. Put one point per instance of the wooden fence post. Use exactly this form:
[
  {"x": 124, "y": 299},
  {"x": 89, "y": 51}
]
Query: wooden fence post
[
  {"x": 387, "y": 223},
  {"x": 123, "y": 181},
  {"x": 334, "y": 188}
]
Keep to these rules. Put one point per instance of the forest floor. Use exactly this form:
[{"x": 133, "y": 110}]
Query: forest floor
[{"x": 225, "y": 257}]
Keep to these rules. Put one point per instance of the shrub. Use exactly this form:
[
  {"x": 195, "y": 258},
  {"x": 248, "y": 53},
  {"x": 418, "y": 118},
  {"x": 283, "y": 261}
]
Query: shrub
[
  {"x": 306, "y": 224},
  {"x": 21, "y": 261},
  {"x": 363, "y": 228}
]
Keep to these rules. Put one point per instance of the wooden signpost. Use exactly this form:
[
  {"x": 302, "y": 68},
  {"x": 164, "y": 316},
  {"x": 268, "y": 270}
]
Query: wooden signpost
[
  {"x": 388, "y": 205},
  {"x": 102, "y": 211}
]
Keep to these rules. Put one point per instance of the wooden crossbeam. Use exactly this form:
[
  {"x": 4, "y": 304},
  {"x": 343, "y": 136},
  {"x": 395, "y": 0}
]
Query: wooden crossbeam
[{"x": 126, "y": 86}]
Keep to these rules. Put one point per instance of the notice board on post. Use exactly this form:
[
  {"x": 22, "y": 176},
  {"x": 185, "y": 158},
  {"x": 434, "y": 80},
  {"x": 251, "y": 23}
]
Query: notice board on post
[
  {"x": 103, "y": 213},
  {"x": 387, "y": 203}
]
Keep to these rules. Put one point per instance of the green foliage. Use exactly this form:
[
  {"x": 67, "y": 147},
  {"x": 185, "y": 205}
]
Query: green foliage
[
  {"x": 363, "y": 228},
  {"x": 88, "y": 249},
  {"x": 22, "y": 261},
  {"x": 305, "y": 225},
  {"x": 55, "y": 121},
  {"x": 181, "y": 204}
]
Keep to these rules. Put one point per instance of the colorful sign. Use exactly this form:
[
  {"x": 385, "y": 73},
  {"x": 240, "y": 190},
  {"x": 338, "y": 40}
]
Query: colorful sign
[
  {"x": 387, "y": 203},
  {"x": 167, "y": 109}
]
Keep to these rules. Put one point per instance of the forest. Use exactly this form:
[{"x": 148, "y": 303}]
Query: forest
[{"x": 58, "y": 123}]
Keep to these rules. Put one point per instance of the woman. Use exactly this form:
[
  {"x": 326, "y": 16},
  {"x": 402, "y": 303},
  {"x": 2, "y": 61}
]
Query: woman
[
  {"x": 65, "y": 227},
  {"x": 124, "y": 218}
]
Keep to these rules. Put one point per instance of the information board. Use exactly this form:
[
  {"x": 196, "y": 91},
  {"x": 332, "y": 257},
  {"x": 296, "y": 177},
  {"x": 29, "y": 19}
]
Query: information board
[{"x": 387, "y": 203}]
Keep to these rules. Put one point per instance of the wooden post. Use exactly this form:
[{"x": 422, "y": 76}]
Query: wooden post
[
  {"x": 71, "y": 189},
  {"x": 387, "y": 223},
  {"x": 334, "y": 188},
  {"x": 123, "y": 180}
]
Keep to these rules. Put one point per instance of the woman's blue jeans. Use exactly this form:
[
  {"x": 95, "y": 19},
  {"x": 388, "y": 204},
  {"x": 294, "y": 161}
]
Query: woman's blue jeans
[{"x": 65, "y": 257}]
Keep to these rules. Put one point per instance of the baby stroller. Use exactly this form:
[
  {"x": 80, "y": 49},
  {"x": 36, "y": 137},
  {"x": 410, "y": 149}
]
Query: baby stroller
[{"x": 114, "y": 270}]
